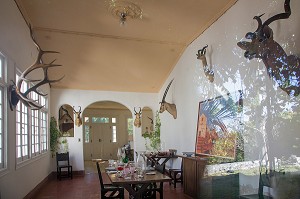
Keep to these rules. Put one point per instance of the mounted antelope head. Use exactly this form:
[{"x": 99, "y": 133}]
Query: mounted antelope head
[
  {"x": 78, "y": 121},
  {"x": 171, "y": 108},
  {"x": 282, "y": 68},
  {"x": 209, "y": 73},
  {"x": 137, "y": 120},
  {"x": 17, "y": 95}
]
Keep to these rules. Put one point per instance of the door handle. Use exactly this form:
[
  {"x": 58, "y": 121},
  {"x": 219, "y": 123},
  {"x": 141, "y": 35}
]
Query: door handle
[{"x": 100, "y": 140}]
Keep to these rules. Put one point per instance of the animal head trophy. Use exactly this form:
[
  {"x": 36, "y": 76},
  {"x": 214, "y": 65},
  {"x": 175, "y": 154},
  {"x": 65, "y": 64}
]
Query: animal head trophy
[
  {"x": 171, "y": 108},
  {"x": 209, "y": 73},
  {"x": 282, "y": 68},
  {"x": 16, "y": 93},
  {"x": 78, "y": 121},
  {"x": 137, "y": 120}
]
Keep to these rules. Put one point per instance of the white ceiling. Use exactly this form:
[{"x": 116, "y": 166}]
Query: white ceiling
[{"x": 98, "y": 54}]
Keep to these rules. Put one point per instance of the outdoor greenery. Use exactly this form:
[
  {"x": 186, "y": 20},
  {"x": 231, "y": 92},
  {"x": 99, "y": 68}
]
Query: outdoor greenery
[
  {"x": 57, "y": 141},
  {"x": 55, "y": 134},
  {"x": 154, "y": 136}
]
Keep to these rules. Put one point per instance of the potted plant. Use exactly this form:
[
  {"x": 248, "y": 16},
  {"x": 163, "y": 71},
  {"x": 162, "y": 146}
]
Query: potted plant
[
  {"x": 55, "y": 134},
  {"x": 154, "y": 136},
  {"x": 57, "y": 141}
]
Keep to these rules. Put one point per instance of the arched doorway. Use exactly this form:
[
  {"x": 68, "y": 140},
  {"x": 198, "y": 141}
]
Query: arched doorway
[{"x": 106, "y": 125}]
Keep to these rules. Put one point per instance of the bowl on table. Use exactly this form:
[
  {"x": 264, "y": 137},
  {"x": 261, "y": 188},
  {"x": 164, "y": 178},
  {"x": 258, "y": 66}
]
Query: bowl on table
[{"x": 188, "y": 154}]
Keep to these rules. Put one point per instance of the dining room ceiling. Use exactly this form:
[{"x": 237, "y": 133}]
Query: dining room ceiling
[{"x": 97, "y": 53}]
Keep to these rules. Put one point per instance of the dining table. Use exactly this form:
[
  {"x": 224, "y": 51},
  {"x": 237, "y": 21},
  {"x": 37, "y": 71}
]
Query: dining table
[{"x": 136, "y": 185}]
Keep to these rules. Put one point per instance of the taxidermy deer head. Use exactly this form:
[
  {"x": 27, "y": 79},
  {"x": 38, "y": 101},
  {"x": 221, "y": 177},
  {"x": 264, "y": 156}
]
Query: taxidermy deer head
[
  {"x": 137, "y": 120},
  {"x": 209, "y": 73},
  {"x": 17, "y": 95},
  {"x": 171, "y": 108},
  {"x": 78, "y": 121},
  {"x": 282, "y": 68}
]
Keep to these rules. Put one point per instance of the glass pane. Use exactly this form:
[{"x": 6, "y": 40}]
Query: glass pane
[
  {"x": 87, "y": 134},
  {"x": 100, "y": 120},
  {"x": 86, "y": 119},
  {"x": 114, "y": 134},
  {"x": 113, "y": 120},
  {"x": 130, "y": 126}
]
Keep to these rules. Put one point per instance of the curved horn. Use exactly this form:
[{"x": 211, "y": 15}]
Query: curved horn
[
  {"x": 166, "y": 91},
  {"x": 259, "y": 21},
  {"x": 134, "y": 110},
  {"x": 140, "y": 110},
  {"x": 285, "y": 15},
  {"x": 79, "y": 109}
]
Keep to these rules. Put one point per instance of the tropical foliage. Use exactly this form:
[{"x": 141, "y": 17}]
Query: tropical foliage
[{"x": 154, "y": 136}]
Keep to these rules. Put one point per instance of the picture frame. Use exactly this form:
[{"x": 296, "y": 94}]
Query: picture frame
[
  {"x": 218, "y": 126},
  {"x": 66, "y": 120}
]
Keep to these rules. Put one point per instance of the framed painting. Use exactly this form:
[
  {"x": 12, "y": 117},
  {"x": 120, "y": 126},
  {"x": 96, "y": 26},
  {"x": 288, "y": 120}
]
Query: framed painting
[
  {"x": 219, "y": 123},
  {"x": 66, "y": 120}
]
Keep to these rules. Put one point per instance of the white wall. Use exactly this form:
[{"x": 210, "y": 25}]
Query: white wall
[
  {"x": 84, "y": 98},
  {"x": 15, "y": 43},
  {"x": 233, "y": 72}
]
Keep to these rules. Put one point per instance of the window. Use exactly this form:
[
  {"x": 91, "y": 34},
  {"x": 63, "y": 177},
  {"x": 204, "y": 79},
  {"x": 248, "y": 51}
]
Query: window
[
  {"x": 113, "y": 120},
  {"x": 86, "y": 134},
  {"x": 22, "y": 128},
  {"x": 130, "y": 126},
  {"x": 31, "y": 127},
  {"x": 86, "y": 119},
  {"x": 114, "y": 134},
  {"x": 100, "y": 120},
  {"x": 35, "y": 139},
  {"x": 2, "y": 108}
]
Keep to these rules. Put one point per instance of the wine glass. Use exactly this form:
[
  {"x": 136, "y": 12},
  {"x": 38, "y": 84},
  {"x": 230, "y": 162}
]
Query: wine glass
[{"x": 120, "y": 169}]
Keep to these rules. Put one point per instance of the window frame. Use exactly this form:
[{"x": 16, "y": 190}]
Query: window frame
[
  {"x": 3, "y": 113},
  {"x": 38, "y": 130}
]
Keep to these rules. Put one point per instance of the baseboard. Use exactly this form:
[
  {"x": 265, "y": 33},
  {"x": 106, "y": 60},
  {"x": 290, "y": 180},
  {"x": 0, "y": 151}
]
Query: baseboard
[
  {"x": 34, "y": 191},
  {"x": 50, "y": 177}
]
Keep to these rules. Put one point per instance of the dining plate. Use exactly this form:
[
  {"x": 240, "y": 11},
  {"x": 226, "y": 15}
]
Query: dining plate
[
  {"x": 110, "y": 172},
  {"x": 110, "y": 168},
  {"x": 150, "y": 173}
]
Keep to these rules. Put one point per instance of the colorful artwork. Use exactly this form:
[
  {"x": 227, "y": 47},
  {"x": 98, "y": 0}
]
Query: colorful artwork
[{"x": 219, "y": 122}]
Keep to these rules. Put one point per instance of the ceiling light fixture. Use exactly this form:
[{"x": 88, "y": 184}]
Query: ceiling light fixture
[{"x": 124, "y": 10}]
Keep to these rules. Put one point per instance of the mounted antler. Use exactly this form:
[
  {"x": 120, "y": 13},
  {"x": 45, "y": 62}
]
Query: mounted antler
[
  {"x": 78, "y": 121},
  {"x": 209, "y": 73},
  {"x": 137, "y": 121},
  {"x": 171, "y": 108},
  {"x": 282, "y": 68},
  {"x": 17, "y": 95}
]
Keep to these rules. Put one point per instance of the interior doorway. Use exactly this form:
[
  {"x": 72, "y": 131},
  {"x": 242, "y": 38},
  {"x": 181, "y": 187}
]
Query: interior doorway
[{"x": 105, "y": 129}]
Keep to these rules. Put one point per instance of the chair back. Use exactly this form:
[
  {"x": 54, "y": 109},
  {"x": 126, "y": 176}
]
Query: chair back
[
  {"x": 100, "y": 175},
  {"x": 62, "y": 159},
  {"x": 160, "y": 168}
]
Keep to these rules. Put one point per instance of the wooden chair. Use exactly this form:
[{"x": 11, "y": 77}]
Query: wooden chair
[
  {"x": 176, "y": 175},
  {"x": 155, "y": 187},
  {"x": 108, "y": 190},
  {"x": 63, "y": 163}
]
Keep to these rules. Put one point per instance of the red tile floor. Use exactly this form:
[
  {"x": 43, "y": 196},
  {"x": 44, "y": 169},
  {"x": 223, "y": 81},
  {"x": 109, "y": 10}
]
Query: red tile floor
[{"x": 88, "y": 187}]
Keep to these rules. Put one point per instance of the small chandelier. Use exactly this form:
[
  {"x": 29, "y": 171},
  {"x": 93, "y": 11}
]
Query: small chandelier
[{"x": 124, "y": 10}]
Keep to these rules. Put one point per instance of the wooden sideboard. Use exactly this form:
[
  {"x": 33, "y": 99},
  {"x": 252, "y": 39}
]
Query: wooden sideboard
[{"x": 193, "y": 170}]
